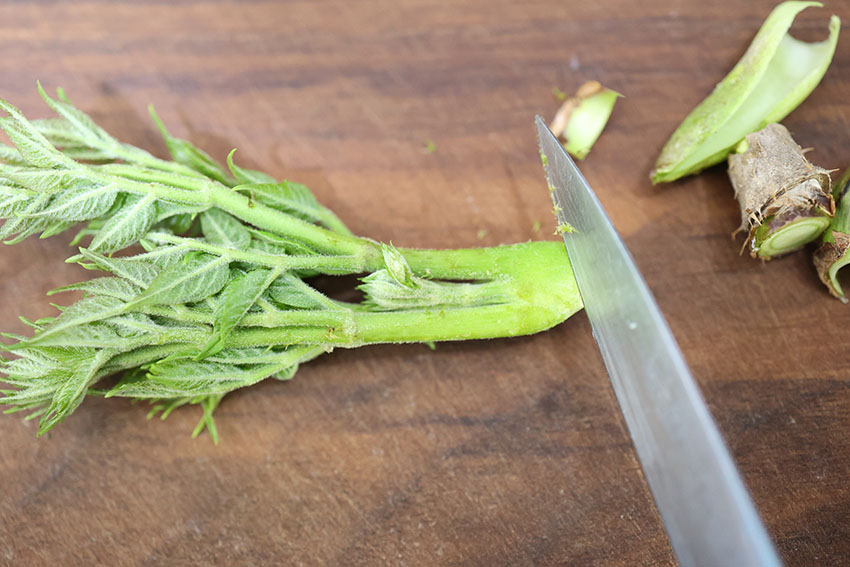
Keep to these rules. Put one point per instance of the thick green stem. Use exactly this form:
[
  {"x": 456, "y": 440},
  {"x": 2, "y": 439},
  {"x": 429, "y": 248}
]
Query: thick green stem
[{"x": 536, "y": 277}]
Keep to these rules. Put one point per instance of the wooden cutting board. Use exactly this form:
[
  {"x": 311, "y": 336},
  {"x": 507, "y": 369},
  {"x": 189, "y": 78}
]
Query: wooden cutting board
[{"x": 507, "y": 452}]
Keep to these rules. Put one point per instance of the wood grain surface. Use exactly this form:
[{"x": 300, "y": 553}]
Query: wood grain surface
[{"x": 508, "y": 452}]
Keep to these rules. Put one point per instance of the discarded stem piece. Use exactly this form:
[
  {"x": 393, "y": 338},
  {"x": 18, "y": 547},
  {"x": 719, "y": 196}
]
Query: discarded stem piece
[
  {"x": 581, "y": 118},
  {"x": 772, "y": 78},
  {"x": 834, "y": 253},
  {"x": 785, "y": 200}
]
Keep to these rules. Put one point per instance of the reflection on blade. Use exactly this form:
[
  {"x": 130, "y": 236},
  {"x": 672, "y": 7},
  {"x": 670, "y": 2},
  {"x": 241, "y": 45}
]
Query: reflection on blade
[{"x": 705, "y": 507}]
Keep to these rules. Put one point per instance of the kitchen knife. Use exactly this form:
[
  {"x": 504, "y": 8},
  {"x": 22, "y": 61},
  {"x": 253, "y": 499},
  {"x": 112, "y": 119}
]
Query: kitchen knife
[{"x": 706, "y": 510}]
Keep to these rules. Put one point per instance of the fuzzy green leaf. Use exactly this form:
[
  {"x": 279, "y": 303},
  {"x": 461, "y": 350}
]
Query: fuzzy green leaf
[
  {"x": 80, "y": 123},
  {"x": 292, "y": 198},
  {"x": 45, "y": 180},
  {"x": 188, "y": 154},
  {"x": 236, "y": 299},
  {"x": 80, "y": 203},
  {"x": 292, "y": 291},
  {"x": 13, "y": 200},
  {"x": 108, "y": 286},
  {"x": 70, "y": 394},
  {"x": 195, "y": 278},
  {"x": 135, "y": 270},
  {"x": 121, "y": 230},
  {"x": 243, "y": 175},
  {"x": 33, "y": 147},
  {"x": 11, "y": 156},
  {"x": 86, "y": 310},
  {"x": 224, "y": 230}
]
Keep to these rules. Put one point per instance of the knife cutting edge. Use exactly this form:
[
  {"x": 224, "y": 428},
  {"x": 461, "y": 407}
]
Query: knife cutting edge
[{"x": 705, "y": 507}]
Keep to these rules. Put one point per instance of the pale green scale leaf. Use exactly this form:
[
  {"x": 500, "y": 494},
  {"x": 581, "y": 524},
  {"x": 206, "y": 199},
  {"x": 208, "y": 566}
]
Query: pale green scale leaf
[
  {"x": 126, "y": 228},
  {"x": 195, "y": 278},
  {"x": 222, "y": 229},
  {"x": 397, "y": 266}
]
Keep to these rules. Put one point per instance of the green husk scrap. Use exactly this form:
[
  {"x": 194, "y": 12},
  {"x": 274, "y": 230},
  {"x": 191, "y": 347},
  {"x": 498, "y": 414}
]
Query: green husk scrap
[
  {"x": 774, "y": 76},
  {"x": 785, "y": 201},
  {"x": 582, "y": 117},
  {"x": 834, "y": 251}
]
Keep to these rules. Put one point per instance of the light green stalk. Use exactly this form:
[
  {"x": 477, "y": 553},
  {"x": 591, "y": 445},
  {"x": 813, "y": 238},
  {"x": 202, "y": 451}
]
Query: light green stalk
[{"x": 218, "y": 300}]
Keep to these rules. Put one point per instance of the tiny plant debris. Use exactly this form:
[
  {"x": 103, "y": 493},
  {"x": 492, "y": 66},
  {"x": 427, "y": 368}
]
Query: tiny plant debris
[
  {"x": 772, "y": 78},
  {"x": 219, "y": 297},
  {"x": 834, "y": 251},
  {"x": 582, "y": 117},
  {"x": 786, "y": 202}
]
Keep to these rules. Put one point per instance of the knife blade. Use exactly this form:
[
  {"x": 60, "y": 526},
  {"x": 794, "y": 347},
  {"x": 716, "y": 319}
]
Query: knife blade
[{"x": 706, "y": 509}]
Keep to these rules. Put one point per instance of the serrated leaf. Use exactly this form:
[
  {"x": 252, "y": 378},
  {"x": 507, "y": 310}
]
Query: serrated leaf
[
  {"x": 224, "y": 230},
  {"x": 197, "y": 277},
  {"x": 85, "y": 128},
  {"x": 69, "y": 396},
  {"x": 58, "y": 131},
  {"x": 56, "y": 227},
  {"x": 86, "y": 310},
  {"x": 293, "y": 292},
  {"x": 13, "y": 199},
  {"x": 80, "y": 203},
  {"x": 138, "y": 272},
  {"x": 11, "y": 156},
  {"x": 252, "y": 355},
  {"x": 44, "y": 180},
  {"x": 288, "y": 246},
  {"x": 207, "y": 378},
  {"x": 122, "y": 230},
  {"x": 22, "y": 224},
  {"x": 165, "y": 256},
  {"x": 33, "y": 147},
  {"x": 236, "y": 299},
  {"x": 108, "y": 286},
  {"x": 97, "y": 335},
  {"x": 292, "y": 198},
  {"x": 188, "y": 154},
  {"x": 243, "y": 175}
]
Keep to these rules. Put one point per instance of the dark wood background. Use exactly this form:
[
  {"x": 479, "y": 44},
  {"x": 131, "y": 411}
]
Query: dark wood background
[{"x": 508, "y": 452}]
